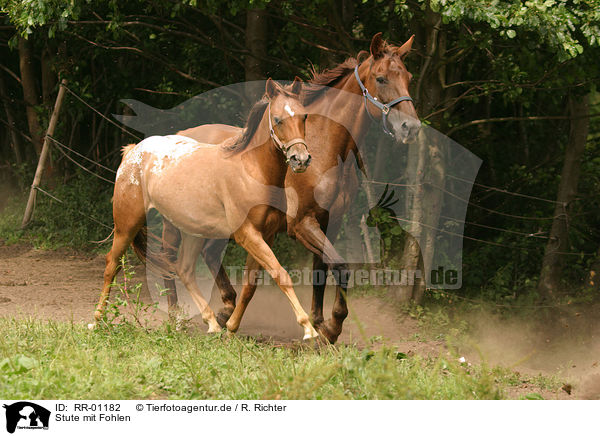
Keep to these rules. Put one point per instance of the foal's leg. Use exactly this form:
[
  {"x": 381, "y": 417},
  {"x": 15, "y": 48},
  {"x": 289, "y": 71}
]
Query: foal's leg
[
  {"x": 310, "y": 234},
  {"x": 211, "y": 252},
  {"x": 186, "y": 270},
  {"x": 250, "y": 283},
  {"x": 251, "y": 239},
  {"x": 129, "y": 216},
  {"x": 171, "y": 238}
]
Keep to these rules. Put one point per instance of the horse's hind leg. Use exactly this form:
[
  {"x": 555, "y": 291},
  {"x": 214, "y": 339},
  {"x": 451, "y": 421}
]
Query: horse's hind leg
[
  {"x": 211, "y": 252},
  {"x": 171, "y": 238},
  {"x": 121, "y": 241},
  {"x": 129, "y": 216},
  {"x": 186, "y": 270}
]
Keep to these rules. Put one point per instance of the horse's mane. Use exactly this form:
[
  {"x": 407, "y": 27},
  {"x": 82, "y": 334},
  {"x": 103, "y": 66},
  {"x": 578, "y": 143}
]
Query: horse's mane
[
  {"x": 322, "y": 81},
  {"x": 254, "y": 117}
]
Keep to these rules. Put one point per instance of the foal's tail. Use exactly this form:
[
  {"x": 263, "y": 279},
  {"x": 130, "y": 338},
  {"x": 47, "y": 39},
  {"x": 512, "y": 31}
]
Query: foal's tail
[{"x": 155, "y": 259}]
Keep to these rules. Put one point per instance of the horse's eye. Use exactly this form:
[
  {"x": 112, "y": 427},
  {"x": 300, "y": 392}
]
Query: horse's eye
[
  {"x": 381, "y": 80},
  {"x": 277, "y": 120}
]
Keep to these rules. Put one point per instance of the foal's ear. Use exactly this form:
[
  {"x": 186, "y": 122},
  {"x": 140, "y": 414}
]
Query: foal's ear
[
  {"x": 272, "y": 88},
  {"x": 405, "y": 49},
  {"x": 377, "y": 46},
  {"x": 297, "y": 85}
]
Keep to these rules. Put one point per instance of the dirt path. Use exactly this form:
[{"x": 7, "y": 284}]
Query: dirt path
[{"x": 64, "y": 285}]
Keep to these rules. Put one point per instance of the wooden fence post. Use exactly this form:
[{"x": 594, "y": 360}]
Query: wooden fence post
[{"x": 44, "y": 155}]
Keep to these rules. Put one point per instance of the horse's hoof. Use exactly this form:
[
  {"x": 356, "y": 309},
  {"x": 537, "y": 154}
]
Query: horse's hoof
[
  {"x": 91, "y": 326},
  {"x": 327, "y": 332},
  {"x": 223, "y": 316},
  {"x": 213, "y": 329},
  {"x": 311, "y": 335}
]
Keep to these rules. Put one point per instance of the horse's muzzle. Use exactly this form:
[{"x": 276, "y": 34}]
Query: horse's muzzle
[
  {"x": 299, "y": 164},
  {"x": 408, "y": 130}
]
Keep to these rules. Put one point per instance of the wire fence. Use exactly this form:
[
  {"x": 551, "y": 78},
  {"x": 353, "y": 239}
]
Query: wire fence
[
  {"x": 97, "y": 221},
  {"x": 100, "y": 113}
]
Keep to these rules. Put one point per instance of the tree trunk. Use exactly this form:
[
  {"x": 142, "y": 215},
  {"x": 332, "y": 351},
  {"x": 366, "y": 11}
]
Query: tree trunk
[
  {"x": 593, "y": 279},
  {"x": 30, "y": 93},
  {"x": 411, "y": 255},
  {"x": 256, "y": 43},
  {"x": 49, "y": 78},
  {"x": 15, "y": 141},
  {"x": 553, "y": 262},
  {"x": 424, "y": 165}
]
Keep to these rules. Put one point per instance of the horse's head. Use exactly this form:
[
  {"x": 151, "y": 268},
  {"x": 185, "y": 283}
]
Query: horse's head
[
  {"x": 287, "y": 118},
  {"x": 387, "y": 81}
]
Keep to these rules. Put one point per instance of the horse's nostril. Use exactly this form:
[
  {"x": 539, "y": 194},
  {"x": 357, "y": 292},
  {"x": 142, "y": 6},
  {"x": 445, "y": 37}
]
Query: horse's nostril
[{"x": 404, "y": 125}]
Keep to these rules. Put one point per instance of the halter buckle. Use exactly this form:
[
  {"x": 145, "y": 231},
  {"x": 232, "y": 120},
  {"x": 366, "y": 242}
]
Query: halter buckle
[{"x": 385, "y": 110}]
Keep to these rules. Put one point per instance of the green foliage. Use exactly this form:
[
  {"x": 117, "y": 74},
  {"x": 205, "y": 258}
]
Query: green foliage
[
  {"x": 126, "y": 306},
  {"x": 57, "y": 224},
  {"x": 555, "y": 22}
]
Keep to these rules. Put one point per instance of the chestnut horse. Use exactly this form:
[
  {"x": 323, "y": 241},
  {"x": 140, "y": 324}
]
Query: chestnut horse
[
  {"x": 214, "y": 192},
  {"x": 323, "y": 195}
]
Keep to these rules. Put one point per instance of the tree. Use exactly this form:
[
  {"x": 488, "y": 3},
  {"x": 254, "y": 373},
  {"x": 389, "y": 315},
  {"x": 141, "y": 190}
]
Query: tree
[{"x": 558, "y": 243}]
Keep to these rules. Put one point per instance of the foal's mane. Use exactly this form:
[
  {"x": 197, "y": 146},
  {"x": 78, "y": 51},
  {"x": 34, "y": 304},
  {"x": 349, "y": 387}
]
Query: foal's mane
[
  {"x": 254, "y": 117},
  {"x": 322, "y": 81}
]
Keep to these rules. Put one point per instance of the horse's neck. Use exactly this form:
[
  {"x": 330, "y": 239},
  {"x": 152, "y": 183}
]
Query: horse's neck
[
  {"x": 344, "y": 105},
  {"x": 264, "y": 161}
]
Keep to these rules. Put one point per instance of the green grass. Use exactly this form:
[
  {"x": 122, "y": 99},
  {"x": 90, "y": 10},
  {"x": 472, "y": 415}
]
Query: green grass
[{"x": 45, "y": 360}]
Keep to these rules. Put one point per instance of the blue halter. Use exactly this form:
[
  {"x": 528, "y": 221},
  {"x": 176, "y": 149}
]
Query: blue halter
[{"x": 383, "y": 107}]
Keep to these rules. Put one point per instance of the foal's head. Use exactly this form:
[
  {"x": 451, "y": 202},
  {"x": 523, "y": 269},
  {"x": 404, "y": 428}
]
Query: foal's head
[
  {"x": 287, "y": 118},
  {"x": 388, "y": 79}
]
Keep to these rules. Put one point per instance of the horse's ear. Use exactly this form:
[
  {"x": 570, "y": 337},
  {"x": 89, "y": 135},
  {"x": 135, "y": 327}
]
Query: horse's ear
[
  {"x": 377, "y": 46},
  {"x": 405, "y": 49},
  {"x": 297, "y": 85},
  {"x": 271, "y": 88}
]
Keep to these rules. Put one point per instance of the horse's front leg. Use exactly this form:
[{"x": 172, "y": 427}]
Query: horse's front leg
[
  {"x": 319, "y": 284},
  {"x": 252, "y": 241},
  {"x": 253, "y": 268},
  {"x": 309, "y": 233}
]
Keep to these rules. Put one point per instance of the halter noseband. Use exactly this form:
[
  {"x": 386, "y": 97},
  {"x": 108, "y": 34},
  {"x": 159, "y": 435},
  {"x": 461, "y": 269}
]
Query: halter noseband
[
  {"x": 284, "y": 147},
  {"x": 383, "y": 107}
]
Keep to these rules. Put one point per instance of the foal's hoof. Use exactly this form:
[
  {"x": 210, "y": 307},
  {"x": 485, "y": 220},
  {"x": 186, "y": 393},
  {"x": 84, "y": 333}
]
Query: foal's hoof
[
  {"x": 311, "y": 335},
  {"x": 98, "y": 315},
  {"x": 214, "y": 329}
]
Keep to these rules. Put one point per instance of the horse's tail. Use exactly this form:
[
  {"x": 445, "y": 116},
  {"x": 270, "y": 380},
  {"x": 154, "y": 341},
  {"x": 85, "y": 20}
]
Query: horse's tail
[
  {"x": 155, "y": 259},
  {"x": 126, "y": 149}
]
